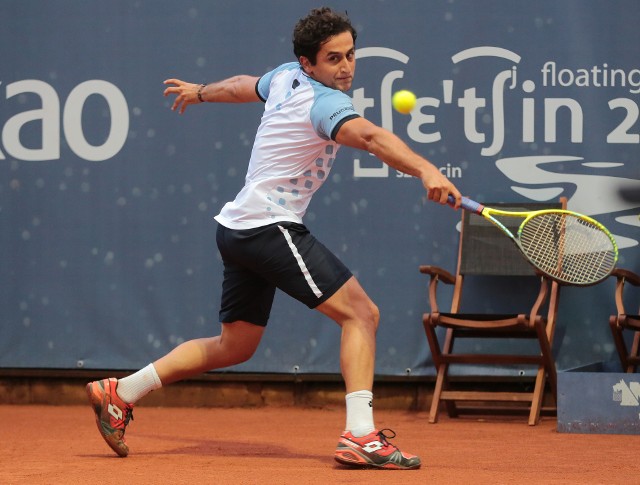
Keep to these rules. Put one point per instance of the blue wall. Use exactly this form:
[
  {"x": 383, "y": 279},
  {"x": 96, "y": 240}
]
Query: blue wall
[{"x": 107, "y": 197}]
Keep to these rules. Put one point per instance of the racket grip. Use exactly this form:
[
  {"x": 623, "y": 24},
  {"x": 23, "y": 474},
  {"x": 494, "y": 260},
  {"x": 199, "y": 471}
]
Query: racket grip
[{"x": 467, "y": 204}]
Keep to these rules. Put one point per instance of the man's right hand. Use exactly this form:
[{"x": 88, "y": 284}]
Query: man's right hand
[{"x": 187, "y": 93}]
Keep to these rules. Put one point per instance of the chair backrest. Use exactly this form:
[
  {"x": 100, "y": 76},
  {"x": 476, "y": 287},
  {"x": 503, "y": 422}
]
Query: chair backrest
[{"x": 485, "y": 250}]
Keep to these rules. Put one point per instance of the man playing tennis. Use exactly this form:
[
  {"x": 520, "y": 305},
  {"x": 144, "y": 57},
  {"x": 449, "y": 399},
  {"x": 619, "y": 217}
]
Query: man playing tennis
[{"x": 264, "y": 244}]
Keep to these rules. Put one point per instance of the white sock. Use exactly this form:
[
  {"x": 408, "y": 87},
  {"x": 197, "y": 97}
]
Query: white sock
[
  {"x": 360, "y": 413},
  {"x": 133, "y": 387}
]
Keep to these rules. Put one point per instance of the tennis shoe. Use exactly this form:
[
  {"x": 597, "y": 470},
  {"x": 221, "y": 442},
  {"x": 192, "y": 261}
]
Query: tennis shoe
[
  {"x": 112, "y": 413},
  {"x": 373, "y": 450}
]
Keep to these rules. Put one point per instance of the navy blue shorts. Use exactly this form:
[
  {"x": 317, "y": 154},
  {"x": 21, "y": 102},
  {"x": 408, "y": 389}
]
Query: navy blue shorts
[{"x": 283, "y": 255}]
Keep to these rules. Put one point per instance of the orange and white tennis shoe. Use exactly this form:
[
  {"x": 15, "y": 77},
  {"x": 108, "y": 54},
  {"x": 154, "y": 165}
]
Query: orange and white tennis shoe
[
  {"x": 374, "y": 450},
  {"x": 112, "y": 413}
]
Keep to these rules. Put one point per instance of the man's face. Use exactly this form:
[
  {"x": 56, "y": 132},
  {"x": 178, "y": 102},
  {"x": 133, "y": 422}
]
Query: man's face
[{"x": 335, "y": 63}]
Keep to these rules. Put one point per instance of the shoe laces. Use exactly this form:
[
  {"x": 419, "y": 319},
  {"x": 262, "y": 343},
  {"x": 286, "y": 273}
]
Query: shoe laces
[
  {"x": 384, "y": 438},
  {"x": 128, "y": 416}
]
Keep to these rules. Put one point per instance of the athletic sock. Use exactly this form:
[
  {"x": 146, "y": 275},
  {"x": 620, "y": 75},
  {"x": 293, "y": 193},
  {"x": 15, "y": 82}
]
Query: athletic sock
[
  {"x": 131, "y": 388},
  {"x": 360, "y": 413}
]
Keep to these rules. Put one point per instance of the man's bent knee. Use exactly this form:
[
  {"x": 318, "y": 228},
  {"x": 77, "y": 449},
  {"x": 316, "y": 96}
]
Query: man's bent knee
[
  {"x": 351, "y": 305},
  {"x": 239, "y": 340}
]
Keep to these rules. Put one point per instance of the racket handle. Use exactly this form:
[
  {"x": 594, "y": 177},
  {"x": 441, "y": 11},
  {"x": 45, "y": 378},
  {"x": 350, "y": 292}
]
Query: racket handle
[{"x": 467, "y": 204}]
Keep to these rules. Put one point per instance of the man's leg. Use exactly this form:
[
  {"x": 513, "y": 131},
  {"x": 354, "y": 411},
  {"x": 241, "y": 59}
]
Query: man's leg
[
  {"x": 358, "y": 317},
  {"x": 112, "y": 400},
  {"x": 361, "y": 444},
  {"x": 236, "y": 344}
]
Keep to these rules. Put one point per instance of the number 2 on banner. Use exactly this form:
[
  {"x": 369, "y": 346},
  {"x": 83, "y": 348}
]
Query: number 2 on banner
[{"x": 620, "y": 134}]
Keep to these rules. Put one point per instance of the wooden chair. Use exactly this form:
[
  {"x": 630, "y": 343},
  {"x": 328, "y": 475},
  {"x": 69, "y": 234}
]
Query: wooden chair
[
  {"x": 488, "y": 262},
  {"x": 621, "y": 322}
]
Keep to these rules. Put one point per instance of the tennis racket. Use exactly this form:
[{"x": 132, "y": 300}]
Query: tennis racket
[{"x": 568, "y": 247}]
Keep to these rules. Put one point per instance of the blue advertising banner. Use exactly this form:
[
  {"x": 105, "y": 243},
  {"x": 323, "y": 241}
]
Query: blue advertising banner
[
  {"x": 107, "y": 197},
  {"x": 598, "y": 402}
]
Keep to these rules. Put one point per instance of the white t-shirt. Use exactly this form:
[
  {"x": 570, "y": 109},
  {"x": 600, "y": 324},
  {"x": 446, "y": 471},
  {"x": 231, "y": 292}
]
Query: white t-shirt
[{"x": 293, "y": 150}]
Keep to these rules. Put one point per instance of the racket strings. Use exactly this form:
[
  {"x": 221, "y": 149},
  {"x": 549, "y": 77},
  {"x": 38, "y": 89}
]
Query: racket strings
[{"x": 568, "y": 247}]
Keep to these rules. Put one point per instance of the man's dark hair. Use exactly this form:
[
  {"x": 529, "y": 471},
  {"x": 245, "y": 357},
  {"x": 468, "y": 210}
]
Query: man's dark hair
[{"x": 316, "y": 28}]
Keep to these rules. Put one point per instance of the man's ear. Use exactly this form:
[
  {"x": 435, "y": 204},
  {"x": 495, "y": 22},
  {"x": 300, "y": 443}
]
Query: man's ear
[{"x": 305, "y": 63}]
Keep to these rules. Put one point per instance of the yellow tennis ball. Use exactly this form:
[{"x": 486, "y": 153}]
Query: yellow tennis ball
[{"x": 403, "y": 101}]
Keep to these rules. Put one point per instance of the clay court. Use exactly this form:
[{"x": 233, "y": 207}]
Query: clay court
[{"x": 294, "y": 444}]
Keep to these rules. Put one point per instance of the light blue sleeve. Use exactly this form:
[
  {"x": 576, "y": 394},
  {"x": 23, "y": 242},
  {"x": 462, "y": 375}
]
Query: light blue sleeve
[
  {"x": 264, "y": 83},
  {"x": 330, "y": 109}
]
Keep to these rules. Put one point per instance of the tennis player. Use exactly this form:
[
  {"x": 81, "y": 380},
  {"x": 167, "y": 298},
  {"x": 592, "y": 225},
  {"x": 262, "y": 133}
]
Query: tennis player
[{"x": 264, "y": 244}]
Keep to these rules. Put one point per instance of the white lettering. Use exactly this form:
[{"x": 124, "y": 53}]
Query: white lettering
[
  {"x": 498, "y": 114},
  {"x": 596, "y": 76},
  {"x": 470, "y": 105},
  {"x": 48, "y": 115},
  {"x": 72, "y": 120},
  {"x": 418, "y": 119},
  {"x": 551, "y": 107}
]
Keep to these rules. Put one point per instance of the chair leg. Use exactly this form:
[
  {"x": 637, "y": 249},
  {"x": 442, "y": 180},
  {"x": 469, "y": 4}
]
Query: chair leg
[
  {"x": 547, "y": 358},
  {"x": 437, "y": 393},
  {"x": 452, "y": 410},
  {"x": 441, "y": 367},
  {"x": 538, "y": 396}
]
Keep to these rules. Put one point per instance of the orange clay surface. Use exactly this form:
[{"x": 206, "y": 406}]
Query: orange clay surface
[{"x": 280, "y": 445}]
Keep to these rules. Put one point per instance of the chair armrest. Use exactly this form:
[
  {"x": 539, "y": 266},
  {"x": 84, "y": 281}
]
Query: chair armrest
[
  {"x": 436, "y": 274},
  {"x": 442, "y": 274},
  {"x": 630, "y": 276},
  {"x": 623, "y": 276}
]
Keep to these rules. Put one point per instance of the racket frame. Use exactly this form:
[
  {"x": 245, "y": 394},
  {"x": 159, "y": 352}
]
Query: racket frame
[{"x": 489, "y": 212}]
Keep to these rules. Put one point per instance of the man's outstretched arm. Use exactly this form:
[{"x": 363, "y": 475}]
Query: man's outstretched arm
[
  {"x": 236, "y": 89},
  {"x": 362, "y": 134}
]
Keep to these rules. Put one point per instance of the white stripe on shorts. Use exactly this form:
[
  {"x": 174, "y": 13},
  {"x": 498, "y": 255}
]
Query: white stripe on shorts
[{"x": 303, "y": 267}]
